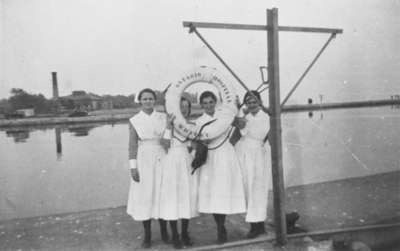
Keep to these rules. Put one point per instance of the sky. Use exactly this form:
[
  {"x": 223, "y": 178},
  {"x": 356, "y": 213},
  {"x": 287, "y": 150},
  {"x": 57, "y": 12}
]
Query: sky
[{"x": 123, "y": 46}]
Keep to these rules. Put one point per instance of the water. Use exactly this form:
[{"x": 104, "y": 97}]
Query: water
[
  {"x": 340, "y": 144},
  {"x": 88, "y": 169},
  {"x": 62, "y": 169},
  {"x": 342, "y": 167}
]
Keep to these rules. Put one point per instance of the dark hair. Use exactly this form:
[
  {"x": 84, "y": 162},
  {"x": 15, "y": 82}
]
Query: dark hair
[
  {"x": 189, "y": 104},
  {"x": 248, "y": 95},
  {"x": 207, "y": 94},
  {"x": 148, "y": 90}
]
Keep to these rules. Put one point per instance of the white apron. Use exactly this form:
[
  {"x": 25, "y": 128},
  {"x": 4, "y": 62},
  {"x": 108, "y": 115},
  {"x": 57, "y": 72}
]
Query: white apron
[
  {"x": 221, "y": 188},
  {"x": 179, "y": 188},
  {"x": 256, "y": 168},
  {"x": 144, "y": 196}
]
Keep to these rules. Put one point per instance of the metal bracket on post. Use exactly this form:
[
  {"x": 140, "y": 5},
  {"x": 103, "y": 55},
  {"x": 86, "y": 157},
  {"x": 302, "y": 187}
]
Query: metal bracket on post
[
  {"x": 333, "y": 35},
  {"x": 262, "y": 68},
  {"x": 192, "y": 29},
  {"x": 264, "y": 82}
]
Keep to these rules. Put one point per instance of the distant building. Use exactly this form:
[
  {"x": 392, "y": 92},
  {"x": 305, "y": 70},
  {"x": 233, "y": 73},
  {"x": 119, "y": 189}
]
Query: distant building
[
  {"x": 4, "y": 106},
  {"x": 2, "y": 112},
  {"x": 27, "y": 112},
  {"x": 81, "y": 100},
  {"x": 106, "y": 104}
]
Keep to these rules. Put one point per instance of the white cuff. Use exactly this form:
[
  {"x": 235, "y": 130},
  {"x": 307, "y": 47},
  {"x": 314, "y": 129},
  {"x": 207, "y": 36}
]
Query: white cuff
[
  {"x": 132, "y": 164},
  {"x": 167, "y": 134}
]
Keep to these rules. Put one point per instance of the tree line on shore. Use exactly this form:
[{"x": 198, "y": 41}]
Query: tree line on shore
[{"x": 21, "y": 99}]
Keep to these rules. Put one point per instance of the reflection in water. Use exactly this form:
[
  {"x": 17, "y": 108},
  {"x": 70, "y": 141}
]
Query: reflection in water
[
  {"x": 58, "y": 143},
  {"x": 22, "y": 134},
  {"x": 19, "y": 136},
  {"x": 92, "y": 173},
  {"x": 80, "y": 131}
]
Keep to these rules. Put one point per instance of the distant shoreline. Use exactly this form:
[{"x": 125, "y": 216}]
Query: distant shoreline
[
  {"x": 101, "y": 116},
  {"x": 63, "y": 120},
  {"x": 114, "y": 115}
]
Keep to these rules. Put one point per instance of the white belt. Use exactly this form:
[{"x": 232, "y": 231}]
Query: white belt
[
  {"x": 147, "y": 142},
  {"x": 254, "y": 140}
]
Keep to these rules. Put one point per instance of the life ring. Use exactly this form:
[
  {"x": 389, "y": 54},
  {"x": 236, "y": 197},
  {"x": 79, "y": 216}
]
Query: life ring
[{"x": 225, "y": 112}]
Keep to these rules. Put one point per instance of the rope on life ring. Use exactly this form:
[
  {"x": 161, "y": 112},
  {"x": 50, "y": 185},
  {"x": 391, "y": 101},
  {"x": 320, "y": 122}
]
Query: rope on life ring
[{"x": 225, "y": 113}]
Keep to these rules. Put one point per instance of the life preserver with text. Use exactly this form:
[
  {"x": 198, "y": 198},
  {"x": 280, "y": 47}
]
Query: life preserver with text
[{"x": 224, "y": 114}]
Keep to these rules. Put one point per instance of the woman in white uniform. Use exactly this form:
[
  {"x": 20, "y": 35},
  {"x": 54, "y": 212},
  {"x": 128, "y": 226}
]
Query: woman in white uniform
[
  {"x": 145, "y": 154},
  {"x": 178, "y": 199},
  {"x": 253, "y": 155},
  {"x": 221, "y": 189}
]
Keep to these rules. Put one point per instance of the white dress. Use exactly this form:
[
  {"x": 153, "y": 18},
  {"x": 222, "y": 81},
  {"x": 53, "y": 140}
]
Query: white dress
[
  {"x": 221, "y": 188},
  {"x": 256, "y": 168},
  {"x": 179, "y": 188},
  {"x": 144, "y": 196}
]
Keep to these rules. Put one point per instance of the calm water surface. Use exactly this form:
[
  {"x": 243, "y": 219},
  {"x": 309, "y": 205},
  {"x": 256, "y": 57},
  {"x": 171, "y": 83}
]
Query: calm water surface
[
  {"x": 74, "y": 168},
  {"x": 87, "y": 170}
]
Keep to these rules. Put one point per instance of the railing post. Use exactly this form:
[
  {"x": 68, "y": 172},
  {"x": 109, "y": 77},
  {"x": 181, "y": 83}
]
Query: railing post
[{"x": 275, "y": 126}]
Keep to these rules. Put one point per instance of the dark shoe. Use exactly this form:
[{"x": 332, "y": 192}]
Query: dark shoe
[
  {"x": 253, "y": 233},
  {"x": 146, "y": 244},
  {"x": 186, "y": 240},
  {"x": 222, "y": 236},
  {"x": 176, "y": 242}
]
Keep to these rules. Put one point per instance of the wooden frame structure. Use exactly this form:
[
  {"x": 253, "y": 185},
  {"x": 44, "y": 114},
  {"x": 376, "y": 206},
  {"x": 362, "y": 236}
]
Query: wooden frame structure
[{"x": 275, "y": 107}]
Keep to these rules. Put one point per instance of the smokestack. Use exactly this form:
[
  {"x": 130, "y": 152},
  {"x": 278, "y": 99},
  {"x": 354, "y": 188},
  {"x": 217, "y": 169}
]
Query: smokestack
[{"x": 55, "y": 85}]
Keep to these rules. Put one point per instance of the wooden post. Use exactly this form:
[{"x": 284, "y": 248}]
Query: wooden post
[{"x": 275, "y": 126}]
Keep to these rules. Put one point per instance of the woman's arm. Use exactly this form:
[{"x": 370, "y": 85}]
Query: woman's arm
[
  {"x": 133, "y": 142},
  {"x": 133, "y": 149},
  {"x": 165, "y": 141},
  {"x": 167, "y": 135},
  {"x": 266, "y": 110}
]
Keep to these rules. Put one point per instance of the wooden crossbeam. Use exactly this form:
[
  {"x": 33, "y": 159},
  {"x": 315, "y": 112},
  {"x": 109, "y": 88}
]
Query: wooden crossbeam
[{"x": 228, "y": 26}]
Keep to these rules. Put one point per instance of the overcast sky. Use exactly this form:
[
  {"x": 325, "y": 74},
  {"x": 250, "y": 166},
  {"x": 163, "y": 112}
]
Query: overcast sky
[{"x": 122, "y": 46}]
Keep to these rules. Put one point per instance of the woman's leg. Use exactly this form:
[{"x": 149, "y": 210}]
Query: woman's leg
[
  {"x": 261, "y": 227},
  {"x": 176, "y": 242},
  {"x": 147, "y": 234},
  {"x": 220, "y": 220},
  {"x": 184, "y": 233},
  {"x": 164, "y": 231}
]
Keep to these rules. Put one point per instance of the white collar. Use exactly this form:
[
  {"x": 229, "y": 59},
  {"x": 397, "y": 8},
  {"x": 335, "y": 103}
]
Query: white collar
[
  {"x": 205, "y": 115},
  {"x": 149, "y": 115}
]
